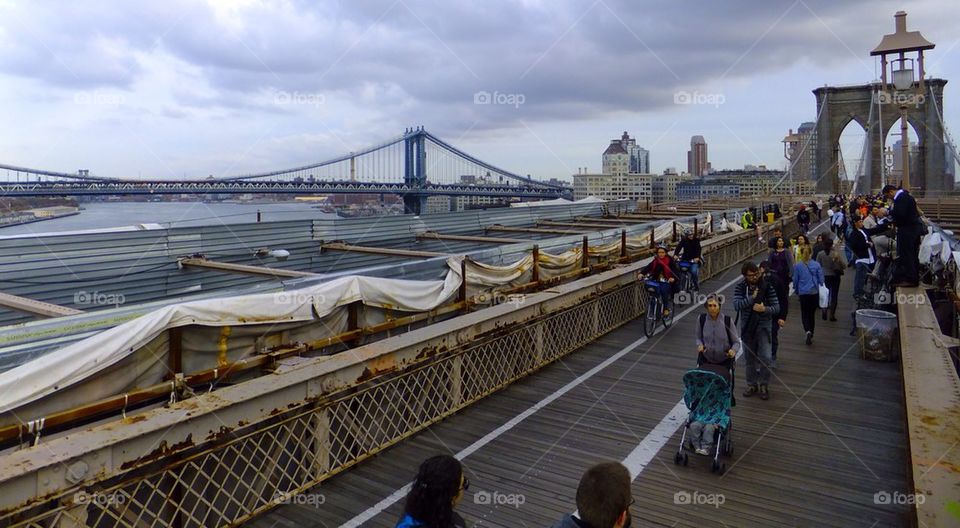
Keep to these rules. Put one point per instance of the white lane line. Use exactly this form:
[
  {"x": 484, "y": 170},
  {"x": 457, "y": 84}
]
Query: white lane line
[{"x": 492, "y": 435}]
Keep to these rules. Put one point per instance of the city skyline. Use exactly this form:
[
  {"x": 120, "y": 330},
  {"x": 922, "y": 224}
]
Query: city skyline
[{"x": 191, "y": 89}]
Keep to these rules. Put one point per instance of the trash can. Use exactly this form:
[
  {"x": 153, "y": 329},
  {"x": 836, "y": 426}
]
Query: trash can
[
  {"x": 770, "y": 218},
  {"x": 877, "y": 335}
]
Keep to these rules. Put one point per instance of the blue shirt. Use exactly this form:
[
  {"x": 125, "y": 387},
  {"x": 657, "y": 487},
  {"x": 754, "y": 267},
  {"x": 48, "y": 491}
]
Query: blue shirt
[{"x": 807, "y": 278}]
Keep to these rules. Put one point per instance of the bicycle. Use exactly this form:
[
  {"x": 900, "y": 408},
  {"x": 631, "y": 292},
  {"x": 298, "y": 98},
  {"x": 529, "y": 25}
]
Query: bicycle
[
  {"x": 655, "y": 308},
  {"x": 686, "y": 277}
]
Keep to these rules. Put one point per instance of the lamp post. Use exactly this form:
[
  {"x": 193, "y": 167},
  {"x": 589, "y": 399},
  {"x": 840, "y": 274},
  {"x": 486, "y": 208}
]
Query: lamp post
[
  {"x": 903, "y": 82},
  {"x": 898, "y": 44}
]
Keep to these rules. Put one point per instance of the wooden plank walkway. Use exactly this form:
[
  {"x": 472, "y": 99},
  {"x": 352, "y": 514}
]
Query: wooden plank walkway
[{"x": 831, "y": 436}]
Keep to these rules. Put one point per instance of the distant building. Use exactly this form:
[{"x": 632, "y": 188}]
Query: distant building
[
  {"x": 697, "y": 163},
  {"x": 613, "y": 186},
  {"x": 704, "y": 189},
  {"x": 806, "y": 164},
  {"x": 616, "y": 160},
  {"x": 896, "y": 171},
  {"x": 665, "y": 186}
]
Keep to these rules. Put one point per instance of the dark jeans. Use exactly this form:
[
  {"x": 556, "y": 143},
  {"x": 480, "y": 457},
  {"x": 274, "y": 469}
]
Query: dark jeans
[
  {"x": 860, "y": 279},
  {"x": 833, "y": 284},
  {"x": 808, "y": 310}
]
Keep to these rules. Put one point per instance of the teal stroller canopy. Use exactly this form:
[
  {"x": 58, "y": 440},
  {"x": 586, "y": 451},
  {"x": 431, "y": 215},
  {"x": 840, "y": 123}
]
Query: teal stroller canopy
[{"x": 707, "y": 394}]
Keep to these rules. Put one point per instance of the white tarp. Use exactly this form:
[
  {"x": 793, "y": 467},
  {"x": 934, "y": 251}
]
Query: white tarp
[{"x": 83, "y": 359}]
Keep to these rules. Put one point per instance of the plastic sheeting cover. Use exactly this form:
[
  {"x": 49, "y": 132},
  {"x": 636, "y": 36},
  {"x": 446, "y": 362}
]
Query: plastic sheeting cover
[{"x": 83, "y": 359}]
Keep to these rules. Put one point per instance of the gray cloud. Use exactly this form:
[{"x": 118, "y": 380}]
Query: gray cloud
[{"x": 422, "y": 61}]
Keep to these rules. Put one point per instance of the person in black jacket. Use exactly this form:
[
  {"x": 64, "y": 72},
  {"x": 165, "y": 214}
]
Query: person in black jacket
[
  {"x": 783, "y": 296},
  {"x": 864, "y": 257},
  {"x": 690, "y": 252},
  {"x": 803, "y": 219},
  {"x": 756, "y": 303},
  {"x": 910, "y": 228}
]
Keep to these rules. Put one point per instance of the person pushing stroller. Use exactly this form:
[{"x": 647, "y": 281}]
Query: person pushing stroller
[{"x": 717, "y": 347}]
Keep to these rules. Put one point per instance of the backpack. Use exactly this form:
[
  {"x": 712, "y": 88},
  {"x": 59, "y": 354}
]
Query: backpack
[{"x": 726, "y": 327}]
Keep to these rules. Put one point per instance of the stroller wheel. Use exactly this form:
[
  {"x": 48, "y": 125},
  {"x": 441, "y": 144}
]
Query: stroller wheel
[
  {"x": 686, "y": 459},
  {"x": 718, "y": 467},
  {"x": 677, "y": 458}
]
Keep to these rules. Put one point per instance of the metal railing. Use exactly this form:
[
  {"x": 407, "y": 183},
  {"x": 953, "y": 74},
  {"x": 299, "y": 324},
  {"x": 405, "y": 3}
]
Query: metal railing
[{"x": 225, "y": 457}]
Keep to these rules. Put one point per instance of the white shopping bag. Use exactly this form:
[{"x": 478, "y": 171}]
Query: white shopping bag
[{"x": 824, "y": 296}]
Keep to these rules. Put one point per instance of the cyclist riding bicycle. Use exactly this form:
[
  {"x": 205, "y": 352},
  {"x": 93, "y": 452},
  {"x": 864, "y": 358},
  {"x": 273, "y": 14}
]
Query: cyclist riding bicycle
[
  {"x": 690, "y": 253},
  {"x": 803, "y": 219},
  {"x": 663, "y": 268}
]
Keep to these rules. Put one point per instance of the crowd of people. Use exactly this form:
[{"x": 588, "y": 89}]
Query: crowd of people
[{"x": 861, "y": 231}]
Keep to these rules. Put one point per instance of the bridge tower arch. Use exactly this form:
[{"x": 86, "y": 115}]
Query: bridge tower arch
[
  {"x": 415, "y": 170},
  {"x": 837, "y": 106},
  {"x": 880, "y": 104}
]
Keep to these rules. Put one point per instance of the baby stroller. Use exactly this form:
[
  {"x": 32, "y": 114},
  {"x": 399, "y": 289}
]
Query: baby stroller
[{"x": 708, "y": 393}]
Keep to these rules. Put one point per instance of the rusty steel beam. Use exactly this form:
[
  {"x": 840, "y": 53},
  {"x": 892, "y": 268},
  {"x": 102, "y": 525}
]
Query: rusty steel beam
[
  {"x": 35, "y": 307},
  {"x": 244, "y": 269},
  {"x": 339, "y": 246},
  {"x": 583, "y": 226},
  {"x": 468, "y": 238},
  {"x": 614, "y": 221},
  {"x": 544, "y": 231}
]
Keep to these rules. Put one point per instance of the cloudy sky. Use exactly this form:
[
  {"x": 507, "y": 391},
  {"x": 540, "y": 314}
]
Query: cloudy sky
[{"x": 179, "y": 88}]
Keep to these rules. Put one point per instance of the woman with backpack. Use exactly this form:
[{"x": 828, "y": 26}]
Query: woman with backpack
[{"x": 717, "y": 339}]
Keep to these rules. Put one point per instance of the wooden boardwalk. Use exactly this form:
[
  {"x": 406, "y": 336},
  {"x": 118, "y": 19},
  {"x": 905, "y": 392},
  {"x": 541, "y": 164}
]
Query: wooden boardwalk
[{"x": 831, "y": 436}]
